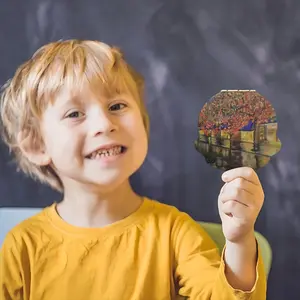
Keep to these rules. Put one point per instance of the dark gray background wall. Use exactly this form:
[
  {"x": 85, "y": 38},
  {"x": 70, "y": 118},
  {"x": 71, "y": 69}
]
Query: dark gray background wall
[{"x": 187, "y": 51}]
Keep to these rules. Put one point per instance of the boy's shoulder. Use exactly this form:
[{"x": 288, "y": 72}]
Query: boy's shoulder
[
  {"x": 170, "y": 220},
  {"x": 167, "y": 212},
  {"x": 25, "y": 228},
  {"x": 160, "y": 208}
]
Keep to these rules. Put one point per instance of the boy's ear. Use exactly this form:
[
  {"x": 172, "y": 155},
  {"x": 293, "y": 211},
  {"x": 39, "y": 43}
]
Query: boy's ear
[{"x": 32, "y": 149}]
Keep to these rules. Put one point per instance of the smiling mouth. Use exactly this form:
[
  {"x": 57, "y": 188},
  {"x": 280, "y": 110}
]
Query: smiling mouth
[{"x": 101, "y": 153}]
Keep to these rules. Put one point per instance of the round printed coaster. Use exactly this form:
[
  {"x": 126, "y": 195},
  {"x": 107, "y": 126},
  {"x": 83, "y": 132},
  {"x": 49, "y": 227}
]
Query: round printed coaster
[{"x": 237, "y": 128}]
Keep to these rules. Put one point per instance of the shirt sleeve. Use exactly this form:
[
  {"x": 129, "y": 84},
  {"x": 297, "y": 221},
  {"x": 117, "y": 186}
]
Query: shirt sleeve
[
  {"x": 200, "y": 270},
  {"x": 11, "y": 286}
]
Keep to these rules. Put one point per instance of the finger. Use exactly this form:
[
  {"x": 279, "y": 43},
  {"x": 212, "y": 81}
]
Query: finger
[
  {"x": 235, "y": 209},
  {"x": 241, "y": 183},
  {"x": 243, "y": 172},
  {"x": 223, "y": 188},
  {"x": 238, "y": 195}
]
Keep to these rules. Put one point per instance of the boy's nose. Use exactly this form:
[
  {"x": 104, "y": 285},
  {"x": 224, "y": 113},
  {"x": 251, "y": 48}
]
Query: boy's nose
[{"x": 101, "y": 123}]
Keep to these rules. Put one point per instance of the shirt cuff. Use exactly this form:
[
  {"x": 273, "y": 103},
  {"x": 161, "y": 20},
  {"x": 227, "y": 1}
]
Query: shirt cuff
[{"x": 259, "y": 287}]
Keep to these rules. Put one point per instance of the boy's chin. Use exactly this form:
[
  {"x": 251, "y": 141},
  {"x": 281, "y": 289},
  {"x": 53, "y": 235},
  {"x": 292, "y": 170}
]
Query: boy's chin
[{"x": 108, "y": 183}]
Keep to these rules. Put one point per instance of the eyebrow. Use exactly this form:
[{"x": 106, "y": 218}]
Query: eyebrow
[
  {"x": 69, "y": 100},
  {"x": 80, "y": 100}
]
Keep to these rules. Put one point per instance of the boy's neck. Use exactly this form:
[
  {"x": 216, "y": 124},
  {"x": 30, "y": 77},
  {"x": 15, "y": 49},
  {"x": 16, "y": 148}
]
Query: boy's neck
[{"x": 96, "y": 210}]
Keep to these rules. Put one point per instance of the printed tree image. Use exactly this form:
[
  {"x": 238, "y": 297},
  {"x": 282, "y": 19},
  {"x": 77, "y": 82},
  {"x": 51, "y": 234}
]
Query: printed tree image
[
  {"x": 230, "y": 112},
  {"x": 259, "y": 111},
  {"x": 237, "y": 128}
]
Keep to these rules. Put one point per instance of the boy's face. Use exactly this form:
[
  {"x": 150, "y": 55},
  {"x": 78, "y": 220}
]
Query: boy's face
[{"x": 92, "y": 140}]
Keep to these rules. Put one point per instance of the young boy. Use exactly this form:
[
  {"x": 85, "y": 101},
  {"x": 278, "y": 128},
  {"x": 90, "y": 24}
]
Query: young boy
[{"x": 74, "y": 117}]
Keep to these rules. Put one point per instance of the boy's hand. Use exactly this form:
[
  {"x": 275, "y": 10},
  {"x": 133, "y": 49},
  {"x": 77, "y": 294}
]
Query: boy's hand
[{"x": 240, "y": 201}]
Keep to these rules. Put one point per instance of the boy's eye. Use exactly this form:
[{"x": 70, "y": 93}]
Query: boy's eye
[
  {"x": 117, "y": 106},
  {"x": 75, "y": 114}
]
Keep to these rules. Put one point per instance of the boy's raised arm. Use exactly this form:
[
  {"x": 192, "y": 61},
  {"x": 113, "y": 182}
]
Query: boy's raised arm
[
  {"x": 201, "y": 273},
  {"x": 240, "y": 273}
]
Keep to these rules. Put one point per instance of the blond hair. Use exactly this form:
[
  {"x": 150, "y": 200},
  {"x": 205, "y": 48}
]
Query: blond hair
[{"x": 58, "y": 65}]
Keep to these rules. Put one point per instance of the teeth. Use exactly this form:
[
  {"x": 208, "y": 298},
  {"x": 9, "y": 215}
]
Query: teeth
[{"x": 106, "y": 152}]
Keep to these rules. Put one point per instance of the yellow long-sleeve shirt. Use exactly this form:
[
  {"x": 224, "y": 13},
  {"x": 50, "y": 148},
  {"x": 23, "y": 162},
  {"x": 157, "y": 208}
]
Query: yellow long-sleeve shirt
[{"x": 154, "y": 254}]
